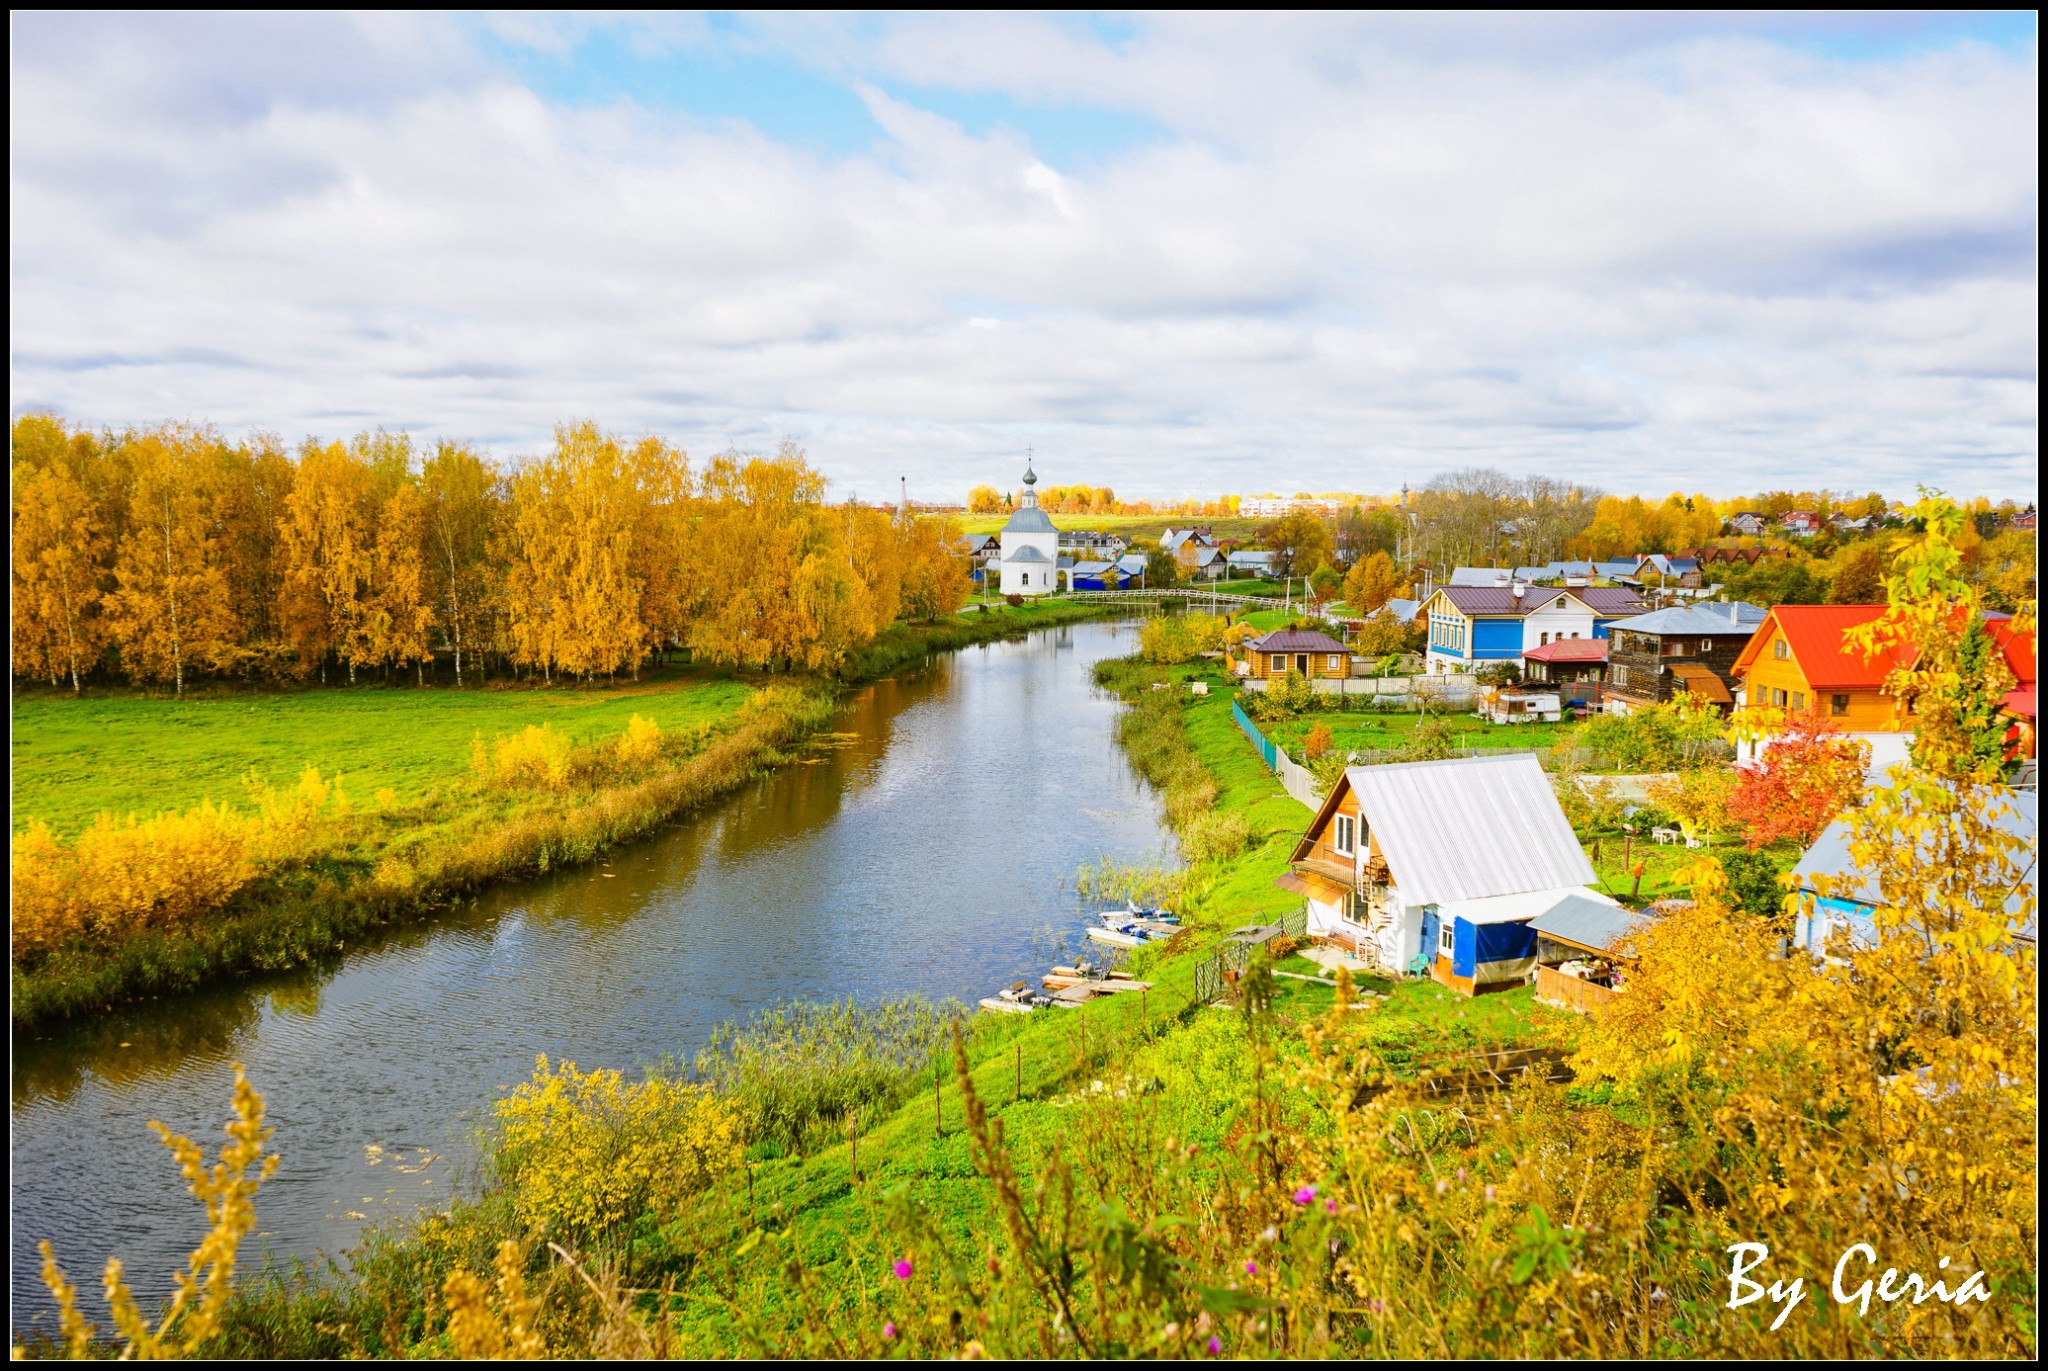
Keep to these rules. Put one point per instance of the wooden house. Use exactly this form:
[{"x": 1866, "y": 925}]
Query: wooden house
[
  {"x": 1580, "y": 943},
  {"x": 1799, "y": 661},
  {"x": 1688, "y": 649},
  {"x": 1314, "y": 654},
  {"x": 1472, "y": 626},
  {"x": 1438, "y": 867}
]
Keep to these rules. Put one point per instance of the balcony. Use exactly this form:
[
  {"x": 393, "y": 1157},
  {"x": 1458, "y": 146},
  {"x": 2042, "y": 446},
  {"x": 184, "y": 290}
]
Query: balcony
[{"x": 1332, "y": 865}]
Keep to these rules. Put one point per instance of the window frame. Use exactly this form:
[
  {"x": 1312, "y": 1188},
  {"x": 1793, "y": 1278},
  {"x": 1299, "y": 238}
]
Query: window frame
[
  {"x": 1344, "y": 835},
  {"x": 1838, "y": 706},
  {"x": 1446, "y": 938}
]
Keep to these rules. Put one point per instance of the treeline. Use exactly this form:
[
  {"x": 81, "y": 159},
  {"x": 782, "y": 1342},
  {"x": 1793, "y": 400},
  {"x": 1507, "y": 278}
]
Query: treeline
[{"x": 163, "y": 554}]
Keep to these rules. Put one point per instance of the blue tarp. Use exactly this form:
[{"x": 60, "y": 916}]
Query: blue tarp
[{"x": 1475, "y": 945}]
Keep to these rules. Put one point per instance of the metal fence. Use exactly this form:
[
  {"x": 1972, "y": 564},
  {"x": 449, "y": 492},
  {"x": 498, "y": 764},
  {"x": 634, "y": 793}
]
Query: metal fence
[
  {"x": 1295, "y": 778},
  {"x": 1212, "y": 976}
]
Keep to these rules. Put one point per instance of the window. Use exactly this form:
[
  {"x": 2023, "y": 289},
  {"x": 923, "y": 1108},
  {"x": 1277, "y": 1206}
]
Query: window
[
  {"x": 1279, "y": 662},
  {"x": 1444, "y": 942},
  {"x": 1838, "y": 705},
  {"x": 1781, "y": 649},
  {"x": 1345, "y": 839},
  {"x": 1336, "y": 661},
  {"x": 1798, "y": 699},
  {"x": 1778, "y": 698},
  {"x": 1543, "y": 640}
]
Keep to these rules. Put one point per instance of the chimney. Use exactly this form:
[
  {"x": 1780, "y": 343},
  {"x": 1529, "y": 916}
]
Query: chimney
[{"x": 1518, "y": 588}]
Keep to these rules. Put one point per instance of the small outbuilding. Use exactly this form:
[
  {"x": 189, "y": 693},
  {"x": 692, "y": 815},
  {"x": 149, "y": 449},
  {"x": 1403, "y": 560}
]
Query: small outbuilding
[{"x": 1314, "y": 654}]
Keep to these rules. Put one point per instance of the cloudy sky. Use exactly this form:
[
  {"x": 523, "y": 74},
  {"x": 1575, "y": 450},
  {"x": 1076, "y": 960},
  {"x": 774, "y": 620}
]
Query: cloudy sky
[{"x": 1176, "y": 255}]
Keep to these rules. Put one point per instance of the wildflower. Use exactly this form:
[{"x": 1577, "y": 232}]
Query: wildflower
[
  {"x": 1375, "y": 1306},
  {"x": 1329, "y": 1206},
  {"x": 1489, "y": 1194},
  {"x": 904, "y": 1268},
  {"x": 1172, "y": 1330},
  {"x": 1215, "y": 1345},
  {"x": 1251, "y": 1268},
  {"x": 1442, "y": 1187},
  {"x": 1305, "y": 1195},
  {"x": 889, "y": 1329},
  {"x": 1461, "y": 1173}
]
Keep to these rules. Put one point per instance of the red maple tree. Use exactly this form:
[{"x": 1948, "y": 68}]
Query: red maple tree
[{"x": 1805, "y": 776}]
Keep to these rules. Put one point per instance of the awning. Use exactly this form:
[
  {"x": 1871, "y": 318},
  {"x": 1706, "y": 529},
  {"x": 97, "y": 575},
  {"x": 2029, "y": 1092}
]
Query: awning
[
  {"x": 1313, "y": 886},
  {"x": 1703, "y": 683}
]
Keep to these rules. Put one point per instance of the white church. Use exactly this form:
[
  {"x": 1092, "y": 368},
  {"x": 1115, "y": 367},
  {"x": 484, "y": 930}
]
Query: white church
[{"x": 1030, "y": 546}]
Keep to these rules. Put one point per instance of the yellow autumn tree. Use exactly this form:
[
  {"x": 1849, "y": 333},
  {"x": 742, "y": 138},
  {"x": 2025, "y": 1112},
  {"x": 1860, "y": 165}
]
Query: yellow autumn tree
[
  {"x": 772, "y": 562},
  {"x": 400, "y": 614},
  {"x": 462, "y": 515},
  {"x": 170, "y": 611},
  {"x": 328, "y": 543},
  {"x": 59, "y": 558},
  {"x": 571, "y": 598},
  {"x": 935, "y": 579},
  {"x": 1371, "y": 583},
  {"x": 661, "y": 541}
]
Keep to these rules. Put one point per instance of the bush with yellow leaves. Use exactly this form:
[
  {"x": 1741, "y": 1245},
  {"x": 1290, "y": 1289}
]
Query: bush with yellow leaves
[
  {"x": 119, "y": 878},
  {"x": 640, "y": 744},
  {"x": 535, "y": 758},
  {"x": 587, "y": 1154}
]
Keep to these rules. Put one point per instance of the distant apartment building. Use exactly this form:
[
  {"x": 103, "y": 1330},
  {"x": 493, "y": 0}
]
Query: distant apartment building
[{"x": 1274, "y": 507}]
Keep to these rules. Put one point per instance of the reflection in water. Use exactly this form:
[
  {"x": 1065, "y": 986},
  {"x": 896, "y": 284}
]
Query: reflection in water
[{"x": 919, "y": 849}]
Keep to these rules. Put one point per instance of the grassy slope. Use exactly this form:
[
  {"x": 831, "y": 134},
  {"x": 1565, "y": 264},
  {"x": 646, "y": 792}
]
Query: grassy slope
[{"x": 1193, "y": 1056}]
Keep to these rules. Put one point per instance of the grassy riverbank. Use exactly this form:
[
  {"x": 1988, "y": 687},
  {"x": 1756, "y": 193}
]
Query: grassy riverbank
[{"x": 411, "y": 825}]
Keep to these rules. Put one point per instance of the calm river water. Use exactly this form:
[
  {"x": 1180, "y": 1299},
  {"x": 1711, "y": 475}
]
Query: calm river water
[{"x": 921, "y": 852}]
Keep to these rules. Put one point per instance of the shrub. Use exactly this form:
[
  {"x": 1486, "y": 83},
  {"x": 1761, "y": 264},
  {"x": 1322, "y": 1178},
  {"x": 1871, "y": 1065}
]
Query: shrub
[
  {"x": 1214, "y": 836},
  {"x": 535, "y": 758},
  {"x": 120, "y": 878},
  {"x": 1014, "y": 600},
  {"x": 1317, "y": 743},
  {"x": 1285, "y": 698},
  {"x": 1179, "y": 637},
  {"x": 587, "y": 1155},
  {"x": 640, "y": 745}
]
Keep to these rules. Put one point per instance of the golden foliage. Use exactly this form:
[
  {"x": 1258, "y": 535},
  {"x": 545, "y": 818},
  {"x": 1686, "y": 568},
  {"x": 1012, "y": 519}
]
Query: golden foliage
[
  {"x": 119, "y": 878},
  {"x": 227, "y": 1189},
  {"x": 640, "y": 744},
  {"x": 507, "y": 1333},
  {"x": 586, "y": 1152},
  {"x": 535, "y": 758}
]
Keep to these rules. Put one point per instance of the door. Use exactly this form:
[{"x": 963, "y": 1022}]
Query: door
[
  {"x": 1301, "y": 662},
  {"x": 1429, "y": 932}
]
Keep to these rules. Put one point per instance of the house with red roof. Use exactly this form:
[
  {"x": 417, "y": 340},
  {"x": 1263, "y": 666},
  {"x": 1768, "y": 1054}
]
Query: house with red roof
[
  {"x": 1565, "y": 661},
  {"x": 1799, "y": 661},
  {"x": 2019, "y": 707},
  {"x": 1802, "y": 522}
]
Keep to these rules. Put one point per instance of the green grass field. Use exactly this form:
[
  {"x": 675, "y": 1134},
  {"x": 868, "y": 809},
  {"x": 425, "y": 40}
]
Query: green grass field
[
  {"x": 126, "y": 753},
  {"x": 1377, "y": 731}
]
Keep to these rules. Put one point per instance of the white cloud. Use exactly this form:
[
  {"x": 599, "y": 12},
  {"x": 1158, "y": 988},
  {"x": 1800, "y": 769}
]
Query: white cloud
[{"x": 1646, "y": 255}]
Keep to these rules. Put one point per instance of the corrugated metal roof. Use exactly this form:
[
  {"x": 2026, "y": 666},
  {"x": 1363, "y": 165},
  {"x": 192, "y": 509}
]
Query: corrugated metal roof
[
  {"x": 1026, "y": 553},
  {"x": 1702, "y": 682},
  {"x": 1508, "y": 909},
  {"x": 1588, "y": 921},
  {"x": 1610, "y": 600},
  {"x": 1569, "y": 650},
  {"x": 2020, "y": 816},
  {"x": 1296, "y": 640},
  {"x": 1469, "y": 828},
  {"x": 1696, "y": 620}
]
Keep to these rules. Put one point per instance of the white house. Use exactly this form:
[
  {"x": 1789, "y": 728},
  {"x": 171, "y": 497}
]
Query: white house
[
  {"x": 1440, "y": 866},
  {"x": 1030, "y": 546}
]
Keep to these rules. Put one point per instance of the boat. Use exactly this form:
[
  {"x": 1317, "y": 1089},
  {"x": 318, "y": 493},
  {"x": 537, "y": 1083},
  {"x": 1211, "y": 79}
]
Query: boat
[
  {"x": 1132, "y": 913},
  {"x": 1130, "y": 935},
  {"x": 1017, "y": 999}
]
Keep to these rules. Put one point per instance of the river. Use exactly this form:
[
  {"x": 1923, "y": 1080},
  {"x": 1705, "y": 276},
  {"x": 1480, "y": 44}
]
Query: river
[{"x": 920, "y": 849}]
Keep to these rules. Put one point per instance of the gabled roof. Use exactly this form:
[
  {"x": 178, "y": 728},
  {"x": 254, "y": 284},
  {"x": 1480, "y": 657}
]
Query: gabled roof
[
  {"x": 1464, "y": 829},
  {"x": 1093, "y": 568},
  {"x": 1569, "y": 650},
  {"x": 2018, "y": 815},
  {"x": 1608, "y": 600},
  {"x": 2019, "y": 650},
  {"x": 1696, "y": 621},
  {"x": 1131, "y": 563},
  {"x": 1296, "y": 640},
  {"x": 1815, "y": 633}
]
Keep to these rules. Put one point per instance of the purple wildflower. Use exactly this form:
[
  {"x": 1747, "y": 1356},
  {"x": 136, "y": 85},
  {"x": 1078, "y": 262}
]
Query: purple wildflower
[
  {"x": 1304, "y": 1195},
  {"x": 889, "y": 1329},
  {"x": 1330, "y": 1206},
  {"x": 904, "y": 1268},
  {"x": 1251, "y": 1268},
  {"x": 1215, "y": 1346}
]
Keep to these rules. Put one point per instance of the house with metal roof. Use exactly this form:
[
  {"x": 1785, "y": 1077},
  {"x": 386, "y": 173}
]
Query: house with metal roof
[
  {"x": 1566, "y": 661},
  {"x": 1849, "y": 912},
  {"x": 1316, "y": 655},
  {"x": 1438, "y": 867},
  {"x": 1250, "y": 563},
  {"x": 1095, "y": 576},
  {"x": 1471, "y": 626},
  {"x": 1688, "y": 649}
]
